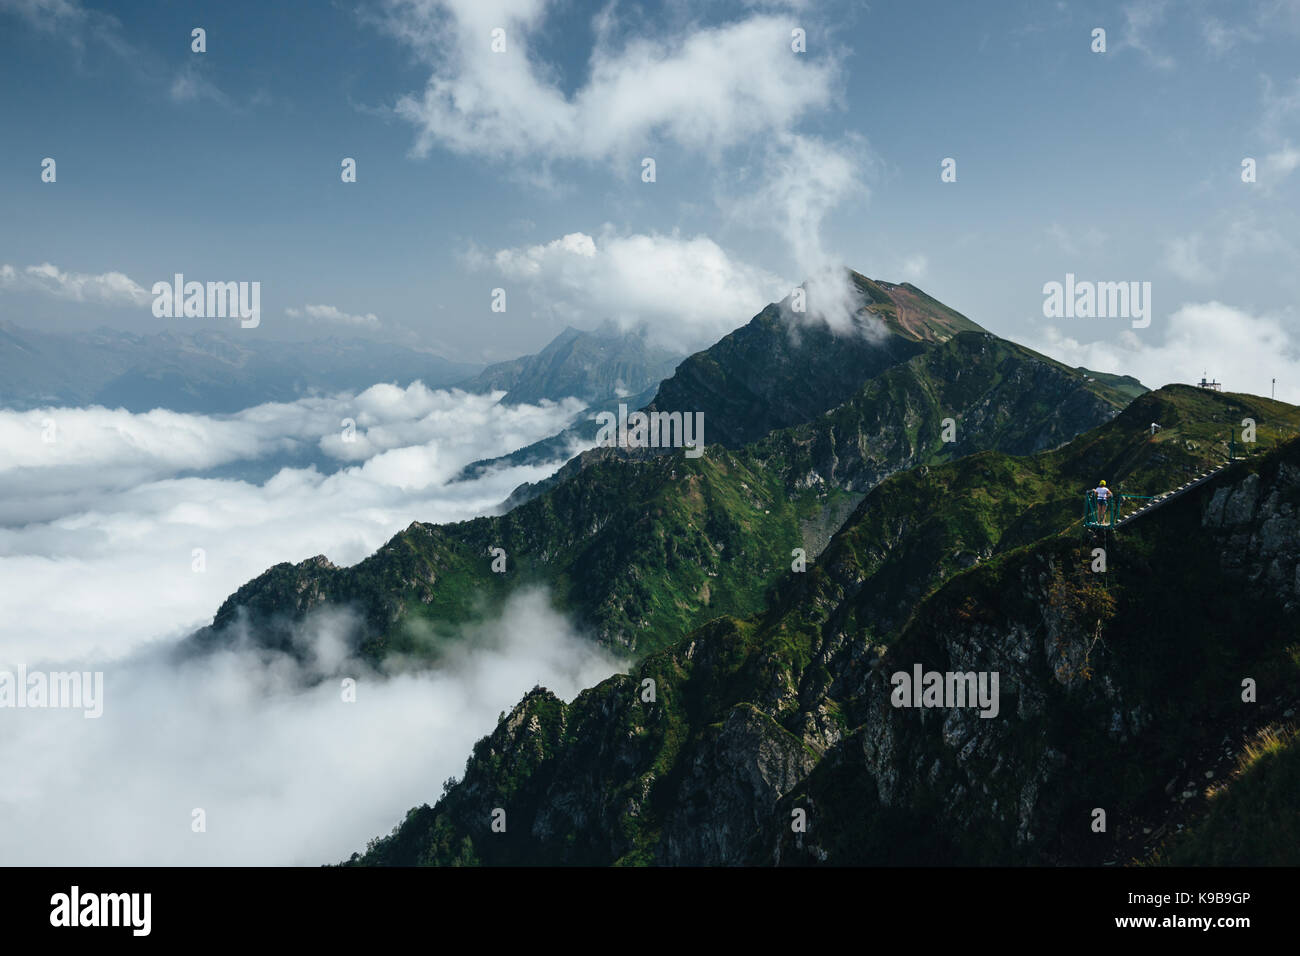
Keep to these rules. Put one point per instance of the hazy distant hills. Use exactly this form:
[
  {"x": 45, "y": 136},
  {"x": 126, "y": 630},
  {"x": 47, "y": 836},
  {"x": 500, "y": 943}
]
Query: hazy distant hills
[
  {"x": 217, "y": 373},
  {"x": 206, "y": 372},
  {"x": 605, "y": 367},
  {"x": 593, "y": 366}
]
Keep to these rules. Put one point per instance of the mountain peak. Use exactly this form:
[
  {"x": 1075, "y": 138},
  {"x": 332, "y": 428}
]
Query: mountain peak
[
  {"x": 910, "y": 312},
  {"x": 592, "y": 365},
  {"x": 742, "y": 383}
]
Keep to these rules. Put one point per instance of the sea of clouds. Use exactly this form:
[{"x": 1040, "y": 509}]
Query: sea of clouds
[{"x": 98, "y": 530}]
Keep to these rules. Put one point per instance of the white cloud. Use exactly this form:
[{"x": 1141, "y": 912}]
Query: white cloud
[
  {"x": 1077, "y": 241},
  {"x": 705, "y": 90},
  {"x": 97, "y": 531},
  {"x": 328, "y": 313},
  {"x": 1197, "y": 258},
  {"x": 97, "y": 528},
  {"x": 1275, "y": 16},
  {"x": 86, "y": 30},
  {"x": 1282, "y": 163},
  {"x": 913, "y": 268},
  {"x": 67, "y": 18},
  {"x": 802, "y": 179},
  {"x": 687, "y": 291},
  {"x": 285, "y": 771},
  {"x": 728, "y": 91},
  {"x": 1183, "y": 258},
  {"x": 1241, "y": 350},
  {"x": 1140, "y": 18},
  {"x": 1222, "y": 37},
  {"x": 1278, "y": 106},
  {"x": 190, "y": 86},
  {"x": 109, "y": 288},
  {"x": 1276, "y": 122}
]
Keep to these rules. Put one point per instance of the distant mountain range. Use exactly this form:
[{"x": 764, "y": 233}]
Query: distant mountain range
[
  {"x": 201, "y": 372},
  {"x": 594, "y": 366},
  {"x": 605, "y": 367},
  {"x": 218, "y": 373}
]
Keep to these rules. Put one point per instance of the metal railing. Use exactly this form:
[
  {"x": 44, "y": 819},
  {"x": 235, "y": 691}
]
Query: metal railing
[{"x": 1099, "y": 513}]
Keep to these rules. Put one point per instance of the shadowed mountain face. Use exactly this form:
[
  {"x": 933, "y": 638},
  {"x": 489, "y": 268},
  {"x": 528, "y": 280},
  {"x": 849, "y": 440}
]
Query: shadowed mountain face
[
  {"x": 1116, "y": 686},
  {"x": 781, "y": 370},
  {"x": 200, "y": 372},
  {"x": 593, "y": 366},
  {"x": 639, "y": 548}
]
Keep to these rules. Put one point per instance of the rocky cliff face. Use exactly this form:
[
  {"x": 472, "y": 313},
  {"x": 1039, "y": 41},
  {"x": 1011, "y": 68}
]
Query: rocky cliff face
[
  {"x": 1107, "y": 688},
  {"x": 1257, "y": 525}
]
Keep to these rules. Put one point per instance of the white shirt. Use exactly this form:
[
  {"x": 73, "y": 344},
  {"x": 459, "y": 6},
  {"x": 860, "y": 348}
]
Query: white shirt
[{"x": 1103, "y": 493}]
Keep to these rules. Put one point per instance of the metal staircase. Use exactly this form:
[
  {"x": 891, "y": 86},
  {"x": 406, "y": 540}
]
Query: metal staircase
[{"x": 1169, "y": 496}]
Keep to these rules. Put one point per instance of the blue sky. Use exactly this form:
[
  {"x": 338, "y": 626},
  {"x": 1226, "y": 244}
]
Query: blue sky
[{"x": 473, "y": 167}]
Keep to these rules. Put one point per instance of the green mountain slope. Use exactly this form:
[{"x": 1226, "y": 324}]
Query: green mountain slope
[
  {"x": 641, "y": 547},
  {"x": 1109, "y": 682},
  {"x": 1253, "y": 818}
]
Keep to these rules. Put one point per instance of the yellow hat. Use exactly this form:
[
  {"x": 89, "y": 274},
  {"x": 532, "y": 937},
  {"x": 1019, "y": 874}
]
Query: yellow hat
[{"x": 1103, "y": 482}]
